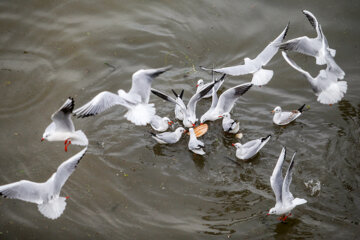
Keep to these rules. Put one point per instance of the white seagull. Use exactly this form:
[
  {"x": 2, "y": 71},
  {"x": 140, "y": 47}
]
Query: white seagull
[
  {"x": 254, "y": 66},
  {"x": 189, "y": 110},
  {"x": 285, "y": 201},
  {"x": 160, "y": 124},
  {"x": 317, "y": 47},
  {"x": 179, "y": 111},
  {"x": 230, "y": 125},
  {"x": 249, "y": 149},
  {"x": 140, "y": 112},
  {"x": 201, "y": 85},
  {"x": 62, "y": 127},
  {"x": 169, "y": 137},
  {"x": 195, "y": 145},
  {"x": 283, "y": 118},
  {"x": 46, "y": 194},
  {"x": 225, "y": 103},
  {"x": 325, "y": 85}
]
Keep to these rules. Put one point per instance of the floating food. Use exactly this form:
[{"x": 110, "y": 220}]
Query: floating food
[{"x": 200, "y": 130}]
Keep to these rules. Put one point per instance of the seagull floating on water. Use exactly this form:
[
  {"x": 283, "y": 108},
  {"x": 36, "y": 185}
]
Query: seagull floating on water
[
  {"x": 62, "y": 127},
  {"x": 230, "y": 125},
  {"x": 195, "y": 145},
  {"x": 283, "y": 118},
  {"x": 249, "y": 149},
  {"x": 140, "y": 112},
  {"x": 254, "y": 66},
  {"x": 169, "y": 137},
  {"x": 325, "y": 85},
  {"x": 225, "y": 103},
  {"x": 46, "y": 194},
  {"x": 285, "y": 201},
  {"x": 160, "y": 124}
]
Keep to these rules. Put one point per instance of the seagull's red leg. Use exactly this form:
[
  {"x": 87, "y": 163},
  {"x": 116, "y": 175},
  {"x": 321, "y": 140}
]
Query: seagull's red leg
[{"x": 68, "y": 142}]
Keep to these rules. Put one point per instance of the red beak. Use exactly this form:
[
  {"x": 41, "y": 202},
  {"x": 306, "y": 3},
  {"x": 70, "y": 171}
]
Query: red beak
[
  {"x": 201, "y": 123},
  {"x": 170, "y": 123},
  {"x": 42, "y": 139},
  {"x": 185, "y": 131},
  {"x": 233, "y": 144},
  {"x": 67, "y": 197},
  {"x": 197, "y": 85},
  {"x": 220, "y": 116},
  {"x": 267, "y": 214},
  {"x": 193, "y": 125}
]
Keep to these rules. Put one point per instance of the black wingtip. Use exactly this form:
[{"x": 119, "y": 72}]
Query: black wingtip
[
  {"x": 264, "y": 139},
  {"x": 181, "y": 94},
  {"x": 222, "y": 77},
  {"x": 286, "y": 30},
  {"x": 152, "y": 134},
  {"x": 176, "y": 95},
  {"x": 310, "y": 18},
  {"x": 301, "y": 109}
]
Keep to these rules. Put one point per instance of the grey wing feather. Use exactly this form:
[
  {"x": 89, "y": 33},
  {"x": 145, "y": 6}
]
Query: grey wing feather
[
  {"x": 287, "y": 197},
  {"x": 100, "y": 103},
  {"x": 141, "y": 82},
  {"x": 197, "y": 96},
  {"x": 24, "y": 190},
  {"x": 268, "y": 53},
  {"x": 295, "y": 66},
  {"x": 168, "y": 98},
  {"x": 66, "y": 169},
  {"x": 229, "y": 97},
  {"x": 302, "y": 45},
  {"x": 276, "y": 179},
  {"x": 62, "y": 117}
]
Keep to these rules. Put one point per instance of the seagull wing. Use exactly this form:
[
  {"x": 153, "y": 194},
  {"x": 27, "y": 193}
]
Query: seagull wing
[
  {"x": 62, "y": 117},
  {"x": 302, "y": 45},
  {"x": 276, "y": 179},
  {"x": 141, "y": 82},
  {"x": 191, "y": 106},
  {"x": 24, "y": 190},
  {"x": 66, "y": 169},
  {"x": 287, "y": 197},
  {"x": 268, "y": 53},
  {"x": 168, "y": 98},
  {"x": 100, "y": 103},
  {"x": 229, "y": 97},
  {"x": 296, "y": 67}
]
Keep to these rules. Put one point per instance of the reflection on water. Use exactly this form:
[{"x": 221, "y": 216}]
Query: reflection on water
[{"x": 129, "y": 186}]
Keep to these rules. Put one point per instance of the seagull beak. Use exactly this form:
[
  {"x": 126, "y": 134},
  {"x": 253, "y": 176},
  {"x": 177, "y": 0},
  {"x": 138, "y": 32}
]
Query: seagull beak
[
  {"x": 197, "y": 85},
  {"x": 185, "y": 131},
  {"x": 67, "y": 197},
  {"x": 42, "y": 139},
  {"x": 272, "y": 111},
  {"x": 201, "y": 123},
  {"x": 233, "y": 144},
  {"x": 220, "y": 116},
  {"x": 171, "y": 122},
  {"x": 267, "y": 214},
  {"x": 193, "y": 125}
]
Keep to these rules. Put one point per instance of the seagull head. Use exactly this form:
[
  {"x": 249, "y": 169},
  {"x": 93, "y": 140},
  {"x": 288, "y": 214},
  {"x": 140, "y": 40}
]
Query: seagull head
[
  {"x": 200, "y": 83},
  {"x": 237, "y": 145},
  {"x": 226, "y": 115},
  {"x": 271, "y": 211},
  {"x": 276, "y": 110}
]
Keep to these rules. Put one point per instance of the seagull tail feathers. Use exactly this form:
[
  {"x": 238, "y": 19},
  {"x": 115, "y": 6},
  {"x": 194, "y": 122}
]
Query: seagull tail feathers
[
  {"x": 54, "y": 208},
  {"x": 81, "y": 139},
  {"x": 141, "y": 114},
  {"x": 334, "y": 93},
  {"x": 262, "y": 77},
  {"x": 299, "y": 201}
]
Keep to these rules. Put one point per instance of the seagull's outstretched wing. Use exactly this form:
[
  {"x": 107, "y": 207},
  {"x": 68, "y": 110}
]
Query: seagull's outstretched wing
[
  {"x": 141, "y": 82},
  {"x": 268, "y": 53},
  {"x": 66, "y": 169},
  {"x": 100, "y": 103},
  {"x": 62, "y": 117},
  {"x": 229, "y": 97},
  {"x": 295, "y": 66},
  {"x": 191, "y": 106},
  {"x": 276, "y": 179},
  {"x": 287, "y": 197},
  {"x": 24, "y": 190}
]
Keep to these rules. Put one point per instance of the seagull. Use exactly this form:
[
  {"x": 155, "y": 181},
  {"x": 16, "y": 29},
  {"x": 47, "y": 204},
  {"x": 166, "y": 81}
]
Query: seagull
[
  {"x": 249, "y": 149},
  {"x": 189, "y": 110},
  {"x": 283, "y": 118},
  {"x": 62, "y": 127},
  {"x": 201, "y": 85},
  {"x": 179, "y": 112},
  {"x": 316, "y": 47},
  {"x": 225, "y": 103},
  {"x": 229, "y": 125},
  {"x": 140, "y": 112},
  {"x": 260, "y": 76},
  {"x": 160, "y": 124},
  {"x": 285, "y": 201},
  {"x": 169, "y": 137},
  {"x": 325, "y": 85},
  {"x": 46, "y": 194},
  {"x": 195, "y": 145}
]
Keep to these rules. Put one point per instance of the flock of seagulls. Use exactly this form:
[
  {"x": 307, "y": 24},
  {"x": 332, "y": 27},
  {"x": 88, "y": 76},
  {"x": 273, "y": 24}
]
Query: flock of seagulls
[{"x": 140, "y": 112}]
